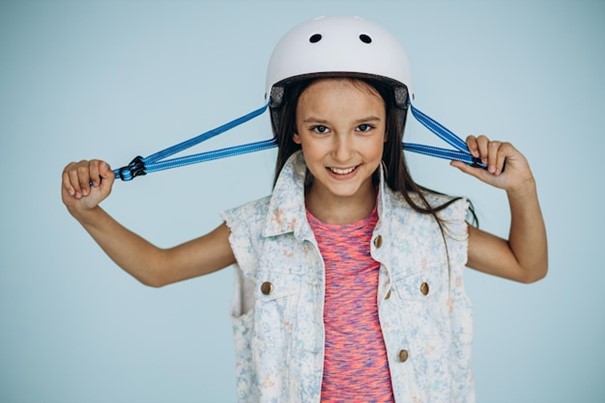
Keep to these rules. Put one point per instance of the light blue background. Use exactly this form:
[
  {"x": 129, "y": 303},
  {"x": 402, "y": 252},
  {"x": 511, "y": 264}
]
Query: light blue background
[{"x": 116, "y": 79}]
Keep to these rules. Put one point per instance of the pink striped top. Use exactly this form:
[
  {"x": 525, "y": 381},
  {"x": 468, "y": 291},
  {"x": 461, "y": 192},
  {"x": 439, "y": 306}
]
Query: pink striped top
[{"x": 355, "y": 365}]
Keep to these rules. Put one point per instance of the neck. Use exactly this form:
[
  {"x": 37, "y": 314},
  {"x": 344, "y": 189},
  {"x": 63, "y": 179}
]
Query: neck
[{"x": 338, "y": 210}]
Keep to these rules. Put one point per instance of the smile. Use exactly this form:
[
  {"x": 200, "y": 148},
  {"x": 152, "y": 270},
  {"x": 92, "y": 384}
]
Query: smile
[{"x": 342, "y": 171}]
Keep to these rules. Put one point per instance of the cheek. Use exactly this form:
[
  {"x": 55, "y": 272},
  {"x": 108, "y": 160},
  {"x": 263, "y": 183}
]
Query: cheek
[
  {"x": 311, "y": 150},
  {"x": 314, "y": 153},
  {"x": 378, "y": 146}
]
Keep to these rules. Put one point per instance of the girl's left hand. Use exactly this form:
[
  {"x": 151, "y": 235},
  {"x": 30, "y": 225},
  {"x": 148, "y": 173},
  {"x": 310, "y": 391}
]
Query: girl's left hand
[{"x": 507, "y": 168}]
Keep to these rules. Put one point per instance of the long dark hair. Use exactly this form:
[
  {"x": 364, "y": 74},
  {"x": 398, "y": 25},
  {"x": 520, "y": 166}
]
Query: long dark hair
[{"x": 397, "y": 174}]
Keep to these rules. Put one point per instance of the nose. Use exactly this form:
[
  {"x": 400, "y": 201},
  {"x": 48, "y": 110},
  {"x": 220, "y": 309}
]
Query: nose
[{"x": 343, "y": 148}]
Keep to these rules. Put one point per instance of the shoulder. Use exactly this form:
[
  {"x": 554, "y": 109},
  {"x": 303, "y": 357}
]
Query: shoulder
[
  {"x": 456, "y": 207},
  {"x": 450, "y": 208},
  {"x": 255, "y": 206},
  {"x": 249, "y": 215},
  {"x": 451, "y": 211},
  {"x": 245, "y": 225},
  {"x": 453, "y": 216}
]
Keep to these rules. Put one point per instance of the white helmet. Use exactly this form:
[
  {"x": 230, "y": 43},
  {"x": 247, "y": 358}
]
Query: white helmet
[{"x": 332, "y": 46}]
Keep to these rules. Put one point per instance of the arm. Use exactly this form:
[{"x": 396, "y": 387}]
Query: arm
[
  {"x": 523, "y": 257},
  {"x": 146, "y": 262}
]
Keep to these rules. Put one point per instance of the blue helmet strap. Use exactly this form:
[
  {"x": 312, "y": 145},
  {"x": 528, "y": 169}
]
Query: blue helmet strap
[
  {"x": 460, "y": 152},
  {"x": 159, "y": 161}
]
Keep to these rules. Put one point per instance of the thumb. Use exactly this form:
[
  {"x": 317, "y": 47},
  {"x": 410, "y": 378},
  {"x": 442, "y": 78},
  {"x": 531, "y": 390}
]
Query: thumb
[
  {"x": 106, "y": 173},
  {"x": 467, "y": 169},
  {"x": 478, "y": 173}
]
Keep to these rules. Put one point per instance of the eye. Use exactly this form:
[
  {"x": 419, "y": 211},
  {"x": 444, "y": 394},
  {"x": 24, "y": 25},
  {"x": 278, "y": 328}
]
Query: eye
[
  {"x": 321, "y": 129},
  {"x": 364, "y": 127}
]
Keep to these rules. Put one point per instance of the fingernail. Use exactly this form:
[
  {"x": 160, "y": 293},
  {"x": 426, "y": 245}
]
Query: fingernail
[{"x": 492, "y": 169}]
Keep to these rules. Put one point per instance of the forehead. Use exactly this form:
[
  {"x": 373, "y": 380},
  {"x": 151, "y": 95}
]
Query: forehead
[{"x": 343, "y": 91}]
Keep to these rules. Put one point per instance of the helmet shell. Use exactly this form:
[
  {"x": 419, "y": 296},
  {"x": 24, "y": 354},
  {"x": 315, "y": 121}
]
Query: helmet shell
[{"x": 336, "y": 46}]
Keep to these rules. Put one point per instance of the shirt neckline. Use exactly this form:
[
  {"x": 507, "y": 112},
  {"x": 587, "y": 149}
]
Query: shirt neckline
[{"x": 363, "y": 222}]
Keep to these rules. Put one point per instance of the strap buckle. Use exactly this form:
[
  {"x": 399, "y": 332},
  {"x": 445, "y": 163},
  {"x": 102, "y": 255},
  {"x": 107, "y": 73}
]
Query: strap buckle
[{"x": 132, "y": 170}]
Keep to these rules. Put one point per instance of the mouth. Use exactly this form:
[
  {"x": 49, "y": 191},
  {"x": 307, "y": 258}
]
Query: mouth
[{"x": 342, "y": 171}]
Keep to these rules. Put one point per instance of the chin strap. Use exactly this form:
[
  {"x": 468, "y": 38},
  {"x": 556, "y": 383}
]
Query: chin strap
[
  {"x": 461, "y": 152},
  {"x": 158, "y": 162}
]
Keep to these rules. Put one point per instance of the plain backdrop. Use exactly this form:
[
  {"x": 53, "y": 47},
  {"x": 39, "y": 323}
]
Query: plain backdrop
[{"x": 114, "y": 79}]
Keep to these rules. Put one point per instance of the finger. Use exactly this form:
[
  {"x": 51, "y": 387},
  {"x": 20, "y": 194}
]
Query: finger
[
  {"x": 482, "y": 144},
  {"x": 95, "y": 177},
  {"x": 506, "y": 150},
  {"x": 105, "y": 170},
  {"x": 471, "y": 142},
  {"x": 67, "y": 185},
  {"x": 492, "y": 158},
  {"x": 83, "y": 172},
  {"x": 75, "y": 182},
  {"x": 106, "y": 174}
]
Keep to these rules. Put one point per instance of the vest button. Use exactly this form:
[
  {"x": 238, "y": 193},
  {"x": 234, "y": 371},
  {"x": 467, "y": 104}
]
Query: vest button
[
  {"x": 266, "y": 288},
  {"x": 403, "y": 355},
  {"x": 378, "y": 241},
  {"x": 424, "y": 288}
]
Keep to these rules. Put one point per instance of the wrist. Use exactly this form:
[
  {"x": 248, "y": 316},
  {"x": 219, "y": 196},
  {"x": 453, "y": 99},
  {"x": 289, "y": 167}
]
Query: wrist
[
  {"x": 524, "y": 190},
  {"x": 86, "y": 216}
]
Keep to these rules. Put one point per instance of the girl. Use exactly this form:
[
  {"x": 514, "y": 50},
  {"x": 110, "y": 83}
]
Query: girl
[{"x": 349, "y": 277}]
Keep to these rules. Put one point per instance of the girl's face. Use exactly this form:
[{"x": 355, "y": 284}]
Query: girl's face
[{"x": 341, "y": 129}]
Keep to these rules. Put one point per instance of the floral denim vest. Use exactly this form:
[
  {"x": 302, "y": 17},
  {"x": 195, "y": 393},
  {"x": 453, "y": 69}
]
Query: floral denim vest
[{"x": 277, "y": 309}]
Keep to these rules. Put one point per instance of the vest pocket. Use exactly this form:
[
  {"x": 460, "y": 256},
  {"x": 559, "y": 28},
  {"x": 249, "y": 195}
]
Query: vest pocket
[
  {"x": 264, "y": 321},
  {"x": 276, "y": 301},
  {"x": 421, "y": 287},
  {"x": 273, "y": 286},
  {"x": 421, "y": 314}
]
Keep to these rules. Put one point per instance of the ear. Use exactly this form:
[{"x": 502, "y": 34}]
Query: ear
[{"x": 296, "y": 138}]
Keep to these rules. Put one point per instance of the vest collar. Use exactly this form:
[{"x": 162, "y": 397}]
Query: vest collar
[{"x": 286, "y": 213}]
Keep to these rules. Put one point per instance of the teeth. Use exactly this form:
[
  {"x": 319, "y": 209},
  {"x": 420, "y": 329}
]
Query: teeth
[{"x": 340, "y": 171}]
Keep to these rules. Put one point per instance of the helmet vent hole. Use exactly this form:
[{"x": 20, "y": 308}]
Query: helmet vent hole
[
  {"x": 315, "y": 38},
  {"x": 365, "y": 38}
]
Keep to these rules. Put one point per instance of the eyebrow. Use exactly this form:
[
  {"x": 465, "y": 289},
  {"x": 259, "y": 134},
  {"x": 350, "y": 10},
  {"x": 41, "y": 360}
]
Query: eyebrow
[{"x": 313, "y": 119}]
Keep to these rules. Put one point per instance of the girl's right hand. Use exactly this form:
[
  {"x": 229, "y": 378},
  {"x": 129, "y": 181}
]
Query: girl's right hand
[{"x": 86, "y": 184}]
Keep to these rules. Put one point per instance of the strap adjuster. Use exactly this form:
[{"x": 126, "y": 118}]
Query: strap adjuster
[{"x": 132, "y": 170}]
